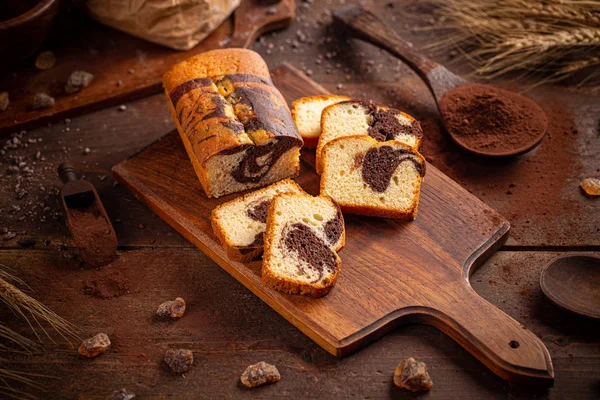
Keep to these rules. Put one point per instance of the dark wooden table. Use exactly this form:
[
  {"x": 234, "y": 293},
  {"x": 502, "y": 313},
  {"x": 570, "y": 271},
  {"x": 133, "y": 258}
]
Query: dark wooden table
[{"x": 226, "y": 326}]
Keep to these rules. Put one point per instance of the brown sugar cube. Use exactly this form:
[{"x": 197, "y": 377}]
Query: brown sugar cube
[
  {"x": 45, "y": 60},
  {"x": 179, "y": 360},
  {"x": 412, "y": 375},
  {"x": 171, "y": 309},
  {"x": 591, "y": 186},
  {"x": 78, "y": 80},
  {"x": 94, "y": 346},
  {"x": 4, "y": 101},
  {"x": 121, "y": 394},
  {"x": 42, "y": 100},
  {"x": 260, "y": 374}
]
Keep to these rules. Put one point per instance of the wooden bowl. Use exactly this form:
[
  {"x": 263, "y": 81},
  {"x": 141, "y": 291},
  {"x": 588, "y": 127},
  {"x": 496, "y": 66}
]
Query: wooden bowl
[
  {"x": 572, "y": 282},
  {"x": 22, "y": 35}
]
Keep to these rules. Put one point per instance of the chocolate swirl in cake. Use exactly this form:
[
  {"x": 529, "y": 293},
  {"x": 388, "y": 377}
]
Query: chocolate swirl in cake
[
  {"x": 259, "y": 241},
  {"x": 220, "y": 105},
  {"x": 310, "y": 248},
  {"x": 334, "y": 228},
  {"x": 385, "y": 125},
  {"x": 258, "y": 210},
  {"x": 263, "y": 112},
  {"x": 380, "y": 163},
  {"x": 186, "y": 87},
  {"x": 249, "y": 169}
]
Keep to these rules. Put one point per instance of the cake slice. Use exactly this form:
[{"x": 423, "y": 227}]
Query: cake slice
[
  {"x": 307, "y": 111},
  {"x": 302, "y": 238},
  {"x": 367, "y": 177},
  {"x": 363, "y": 117},
  {"x": 240, "y": 223}
]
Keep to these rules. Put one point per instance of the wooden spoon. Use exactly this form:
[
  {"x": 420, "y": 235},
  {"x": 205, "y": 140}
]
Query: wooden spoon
[
  {"x": 573, "y": 282},
  {"x": 365, "y": 25}
]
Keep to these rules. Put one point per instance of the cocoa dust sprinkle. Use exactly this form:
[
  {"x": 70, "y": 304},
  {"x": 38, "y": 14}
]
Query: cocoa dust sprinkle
[
  {"x": 490, "y": 119},
  {"x": 93, "y": 235}
]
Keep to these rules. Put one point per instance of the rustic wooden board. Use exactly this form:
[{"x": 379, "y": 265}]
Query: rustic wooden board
[
  {"x": 109, "y": 55},
  {"x": 228, "y": 335},
  {"x": 393, "y": 271}
]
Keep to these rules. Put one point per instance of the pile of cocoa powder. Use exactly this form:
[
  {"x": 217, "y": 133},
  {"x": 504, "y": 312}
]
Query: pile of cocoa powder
[
  {"x": 490, "y": 119},
  {"x": 93, "y": 235}
]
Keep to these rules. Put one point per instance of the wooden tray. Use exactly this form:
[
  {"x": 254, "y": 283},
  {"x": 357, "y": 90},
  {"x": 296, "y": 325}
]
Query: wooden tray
[
  {"x": 393, "y": 272},
  {"x": 109, "y": 54}
]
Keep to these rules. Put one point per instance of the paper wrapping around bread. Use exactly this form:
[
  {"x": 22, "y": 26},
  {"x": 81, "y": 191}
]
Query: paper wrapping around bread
[
  {"x": 180, "y": 25},
  {"x": 236, "y": 127}
]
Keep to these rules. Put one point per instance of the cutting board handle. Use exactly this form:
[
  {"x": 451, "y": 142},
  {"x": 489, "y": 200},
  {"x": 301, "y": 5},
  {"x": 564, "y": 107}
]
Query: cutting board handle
[
  {"x": 505, "y": 346},
  {"x": 253, "y": 18}
]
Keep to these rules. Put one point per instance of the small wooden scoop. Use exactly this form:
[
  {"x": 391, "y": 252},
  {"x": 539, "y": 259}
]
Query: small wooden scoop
[
  {"x": 573, "y": 283},
  {"x": 87, "y": 219},
  {"x": 365, "y": 25}
]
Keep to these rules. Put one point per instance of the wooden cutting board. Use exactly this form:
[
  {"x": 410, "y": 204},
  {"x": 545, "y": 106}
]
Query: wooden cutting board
[
  {"x": 113, "y": 56},
  {"x": 393, "y": 272}
]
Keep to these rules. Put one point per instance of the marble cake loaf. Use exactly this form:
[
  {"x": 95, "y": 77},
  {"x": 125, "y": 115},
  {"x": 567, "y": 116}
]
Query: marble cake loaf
[
  {"x": 363, "y": 117},
  {"x": 236, "y": 126},
  {"x": 240, "y": 223}
]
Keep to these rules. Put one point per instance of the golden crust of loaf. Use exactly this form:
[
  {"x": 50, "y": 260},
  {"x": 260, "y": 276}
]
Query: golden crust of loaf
[
  {"x": 235, "y": 252},
  {"x": 216, "y": 63},
  {"x": 294, "y": 286},
  {"x": 289, "y": 284},
  {"x": 373, "y": 209}
]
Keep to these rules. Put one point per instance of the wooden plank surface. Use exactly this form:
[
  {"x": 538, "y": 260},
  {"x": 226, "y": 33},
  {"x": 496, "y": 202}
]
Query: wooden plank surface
[
  {"x": 112, "y": 57},
  {"x": 233, "y": 334},
  {"x": 229, "y": 328}
]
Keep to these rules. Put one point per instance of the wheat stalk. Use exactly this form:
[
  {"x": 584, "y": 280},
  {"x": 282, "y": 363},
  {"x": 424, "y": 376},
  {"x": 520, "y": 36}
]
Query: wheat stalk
[
  {"x": 30, "y": 309},
  {"x": 34, "y": 313},
  {"x": 16, "y": 343},
  {"x": 25, "y": 378},
  {"x": 554, "y": 37},
  {"x": 565, "y": 13}
]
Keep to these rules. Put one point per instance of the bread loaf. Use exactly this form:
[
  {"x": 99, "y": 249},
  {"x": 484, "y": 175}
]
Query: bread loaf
[
  {"x": 235, "y": 125},
  {"x": 307, "y": 111},
  {"x": 303, "y": 236},
  {"x": 363, "y": 117},
  {"x": 367, "y": 177},
  {"x": 240, "y": 223}
]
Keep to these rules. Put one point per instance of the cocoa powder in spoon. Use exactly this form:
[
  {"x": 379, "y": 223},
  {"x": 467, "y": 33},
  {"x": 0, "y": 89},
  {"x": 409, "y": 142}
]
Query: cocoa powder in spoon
[{"x": 490, "y": 119}]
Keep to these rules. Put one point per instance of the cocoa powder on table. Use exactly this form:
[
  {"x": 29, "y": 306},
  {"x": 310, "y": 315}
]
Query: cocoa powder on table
[
  {"x": 491, "y": 120},
  {"x": 93, "y": 235}
]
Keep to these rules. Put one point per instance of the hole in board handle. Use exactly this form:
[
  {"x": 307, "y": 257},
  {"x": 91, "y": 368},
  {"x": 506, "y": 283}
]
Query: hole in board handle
[{"x": 514, "y": 344}]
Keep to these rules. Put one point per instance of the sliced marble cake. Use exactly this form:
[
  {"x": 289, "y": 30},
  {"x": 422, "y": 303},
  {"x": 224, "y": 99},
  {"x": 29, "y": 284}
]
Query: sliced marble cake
[
  {"x": 303, "y": 236},
  {"x": 363, "y": 117},
  {"x": 240, "y": 223},
  {"x": 306, "y": 113},
  {"x": 367, "y": 177}
]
